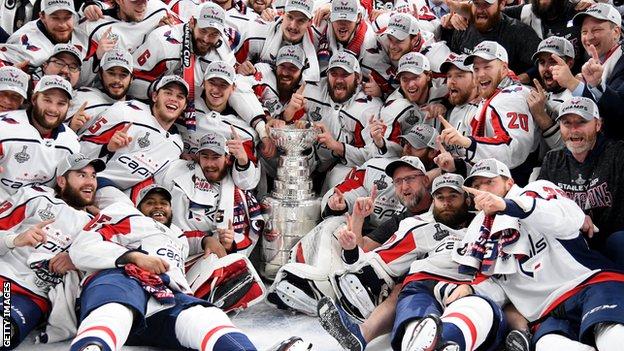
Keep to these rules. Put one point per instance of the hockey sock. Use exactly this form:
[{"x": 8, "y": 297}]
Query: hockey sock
[
  {"x": 473, "y": 317},
  {"x": 108, "y": 325},
  {"x": 559, "y": 342},
  {"x": 209, "y": 328},
  {"x": 609, "y": 336}
]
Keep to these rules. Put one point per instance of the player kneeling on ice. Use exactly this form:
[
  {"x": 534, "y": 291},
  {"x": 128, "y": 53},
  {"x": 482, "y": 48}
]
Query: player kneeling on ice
[{"x": 136, "y": 292}]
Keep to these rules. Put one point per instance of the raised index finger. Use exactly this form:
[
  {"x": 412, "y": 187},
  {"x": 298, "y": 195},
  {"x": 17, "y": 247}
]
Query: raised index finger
[
  {"x": 472, "y": 191},
  {"x": 234, "y": 134},
  {"x": 301, "y": 88},
  {"x": 594, "y": 53},
  {"x": 444, "y": 122},
  {"x": 126, "y": 127},
  {"x": 558, "y": 59},
  {"x": 440, "y": 145},
  {"x": 374, "y": 193},
  {"x": 538, "y": 86},
  {"x": 82, "y": 108}
]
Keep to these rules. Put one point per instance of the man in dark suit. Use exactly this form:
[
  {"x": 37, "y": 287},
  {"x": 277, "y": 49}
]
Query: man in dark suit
[{"x": 603, "y": 73}]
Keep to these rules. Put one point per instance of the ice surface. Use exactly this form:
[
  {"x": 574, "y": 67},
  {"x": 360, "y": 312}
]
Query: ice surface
[{"x": 264, "y": 325}]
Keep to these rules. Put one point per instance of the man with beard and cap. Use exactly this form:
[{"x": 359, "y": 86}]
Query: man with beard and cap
[
  {"x": 36, "y": 39},
  {"x": 137, "y": 140},
  {"x": 293, "y": 28},
  {"x": 14, "y": 15},
  {"x": 402, "y": 36},
  {"x": 214, "y": 192},
  {"x": 544, "y": 101},
  {"x": 142, "y": 297},
  {"x": 347, "y": 30},
  {"x": 115, "y": 76},
  {"x": 38, "y": 228},
  {"x": 503, "y": 126},
  {"x": 433, "y": 237},
  {"x": 340, "y": 110},
  {"x": 589, "y": 171},
  {"x": 417, "y": 101},
  {"x": 34, "y": 141},
  {"x": 489, "y": 23},
  {"x": 275, "y": 87},
  {"x": 239, "y": 15},
  {"x": 300, "y": 284},
  {"x": 540, "y": 259},
  {"x": 603, "y": 73},
  {"x": 65, "y": 61},
  {"x": 187, "y": 50},
  {"x": 213, "y": 204},
  {"x": 462, "y": 93},
  {"x": 13, "y": 88}
]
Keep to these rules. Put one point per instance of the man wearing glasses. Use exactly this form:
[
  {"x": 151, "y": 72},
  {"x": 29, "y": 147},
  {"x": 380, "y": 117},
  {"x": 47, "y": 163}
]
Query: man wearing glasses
[
  {"x": 66, "y": 61},
  {"x": 489, "y": 23}
]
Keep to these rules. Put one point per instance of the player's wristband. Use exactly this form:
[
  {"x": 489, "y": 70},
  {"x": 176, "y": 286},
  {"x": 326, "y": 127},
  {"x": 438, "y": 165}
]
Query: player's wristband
[{"x": 9, "y": 241}]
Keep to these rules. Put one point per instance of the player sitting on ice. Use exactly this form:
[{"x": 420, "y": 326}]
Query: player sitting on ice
[
  {"x": 38, "y": 226},
  {"x": 136, "y": 291},
  {"x": 211, "y": 204}
]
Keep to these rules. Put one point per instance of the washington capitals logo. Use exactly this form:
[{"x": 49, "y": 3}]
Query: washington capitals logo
[
  {"x": 6, "y": 119},
  {"x": 29, "y": 46},
  {"x": 131, "y": 105},
  {"x": 170, "y": 39}
]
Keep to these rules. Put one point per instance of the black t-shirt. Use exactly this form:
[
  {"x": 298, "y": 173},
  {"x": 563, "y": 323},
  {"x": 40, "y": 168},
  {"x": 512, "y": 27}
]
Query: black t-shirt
[
  {"x": 560, "y": 26},
  {"x": 596, "y": 185},
  {"x": 517, "y": 38}
]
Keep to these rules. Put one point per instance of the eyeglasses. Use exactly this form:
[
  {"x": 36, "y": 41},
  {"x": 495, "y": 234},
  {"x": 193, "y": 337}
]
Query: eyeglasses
[
  {"x": 62, "y": 64},
  {"x": 407, "y": 180}
]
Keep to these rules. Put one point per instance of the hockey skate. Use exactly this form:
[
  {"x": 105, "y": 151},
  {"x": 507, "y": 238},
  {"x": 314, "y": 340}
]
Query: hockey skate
[
  {"x": 518, "y": 340},
  {"x": 294, "y": 343},
  {"x": 423, "y": 335},
  {"x": 339, "y": 325}
]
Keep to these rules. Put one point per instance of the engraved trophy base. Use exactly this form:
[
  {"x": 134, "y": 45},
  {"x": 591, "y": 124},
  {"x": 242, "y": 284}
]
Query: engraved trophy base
[{"x": 289, "y": 221}]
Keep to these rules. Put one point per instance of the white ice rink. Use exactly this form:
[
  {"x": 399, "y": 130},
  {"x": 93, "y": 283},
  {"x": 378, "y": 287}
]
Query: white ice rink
[{"x": 265, "y": 327}]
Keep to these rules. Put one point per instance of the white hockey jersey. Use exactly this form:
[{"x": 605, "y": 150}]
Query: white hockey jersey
[
  {"x": 347, "y": 123},
  {"x": 363, "y": 45},
  {"x": 151, "y": 150},
  {"x": 264, "y": 41},
  {"x": 552, "y": 136},
  {"x": 201, "y": 205},
  {"x": 551, "y": 260},
  {"x": 36, "y": 46},
  {"x": 460, "y": 118},
  {"x": 503, "y": 128},
  {"x": 400, "y": 115},
  {"x": 238, "y": 16},
  {"x": 120, "y": 228},
  {"x": 27, "y": 157},
  {"x": 264, "y": 85},
  {"x": 427, "y": 20},
  {"x": 28, "y": 207},
  {"x": 359, "y": 183},
  {"x": 97, "y": 102}
]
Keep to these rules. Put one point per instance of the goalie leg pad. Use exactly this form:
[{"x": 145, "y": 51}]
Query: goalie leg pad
[
  {"x": 360, "y": 289},
  {"x": 230, "y": 282},
  {"x": 299, "y": 287}
]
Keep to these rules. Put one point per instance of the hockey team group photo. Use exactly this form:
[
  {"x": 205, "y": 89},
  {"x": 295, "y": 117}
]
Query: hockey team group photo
[{"x": 298, "y": 175}]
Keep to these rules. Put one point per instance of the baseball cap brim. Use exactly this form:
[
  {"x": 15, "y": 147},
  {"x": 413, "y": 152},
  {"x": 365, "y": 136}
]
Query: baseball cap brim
[
  {"x": 349, "y": 69},
  {"x": 338, "y": 16},
  {"x": 297, "y": 63},
  {"x": 112, "y": 64},
  {"x": 71, "y": 53},
  {"x": 218, "y": 149},
  {"x": 306, "y": 13},
  {"x": 546, "y": 51},
  {"x": 417, "y": 70},
  {"x": 155, "y": 189},
  {"x": 413, "y": 141},
  {"x": 225, "y": 78},
  {"x": 470, "y": 58},
  {"x": 52, "y": 9},
  {"x": 398, "y": 34},
  {"x": 180, "y": 84},
  {"x": 454, "y": 187},
  {"x": 586, "y": 116},
  {"x": 446, "y": 66},
  {"x": 485, "y": 174},
  {"x": 14, "y": 89},
  {"x": 392, "y": 166},
  {"x": 98, "y": 165},
  {"x": 52, "y": 87},
  {"x": 578, "y": 19},
  {"x": 212, "y": 24}
]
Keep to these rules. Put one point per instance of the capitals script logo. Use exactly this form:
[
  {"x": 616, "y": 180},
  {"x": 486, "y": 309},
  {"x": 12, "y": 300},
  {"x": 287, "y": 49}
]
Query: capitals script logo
[
  {"x": 169, "y": 38},
  {"x": 131, "y": 105},
  {"x": 29, "y": 46}
]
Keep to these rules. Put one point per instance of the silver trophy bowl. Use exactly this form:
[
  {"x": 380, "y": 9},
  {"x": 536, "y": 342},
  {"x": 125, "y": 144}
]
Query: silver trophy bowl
[{"x": 293, "y": 141}]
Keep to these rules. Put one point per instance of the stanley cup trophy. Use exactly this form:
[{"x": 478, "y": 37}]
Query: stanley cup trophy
[{"x": 294, "y": 207}]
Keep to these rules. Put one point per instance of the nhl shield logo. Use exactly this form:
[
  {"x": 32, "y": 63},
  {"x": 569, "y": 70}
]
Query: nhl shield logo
[
  {"x": 381, "y": 183},
  {"x": 22, "y": 156},
  {"x": 144, "y": 141},
  {"x": 316, "y": 114}
]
